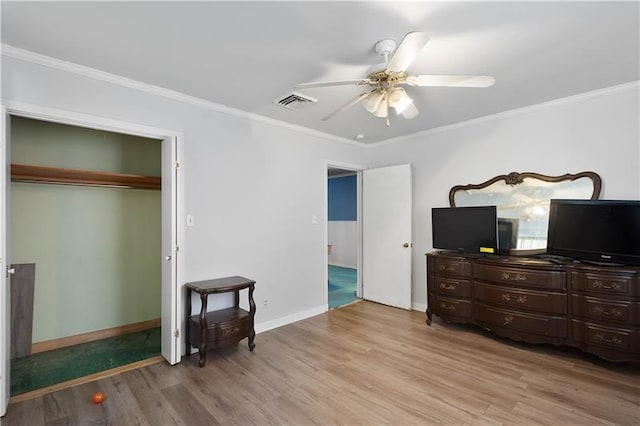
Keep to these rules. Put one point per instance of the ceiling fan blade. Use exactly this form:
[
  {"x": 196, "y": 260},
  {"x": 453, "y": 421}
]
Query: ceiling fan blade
[
  {"x": 410, "y": 111},
  {"x": 450, "y": 80},
  {"x": 406, "y": 53},
  {"x": 349, "y": 104},
  {"x": 358, "y": 82}
]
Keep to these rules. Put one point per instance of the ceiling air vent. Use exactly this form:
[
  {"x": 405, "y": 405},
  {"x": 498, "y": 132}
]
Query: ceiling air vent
[{"x": 294, "y": 101}]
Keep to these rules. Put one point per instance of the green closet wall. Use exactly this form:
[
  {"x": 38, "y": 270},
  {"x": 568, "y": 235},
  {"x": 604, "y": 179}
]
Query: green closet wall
[{"x": 97, "y": 250}]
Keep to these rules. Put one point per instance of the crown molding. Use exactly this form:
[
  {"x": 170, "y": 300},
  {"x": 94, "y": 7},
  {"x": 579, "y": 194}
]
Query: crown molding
[
  {"x": 58, "y": 64},
  {"x": 93, "y": 73},
  {"x": 512, "y": 113}
]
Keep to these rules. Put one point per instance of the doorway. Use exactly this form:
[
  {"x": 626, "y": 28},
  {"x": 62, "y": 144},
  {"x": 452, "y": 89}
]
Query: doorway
[
  {"x": 384, "y": 219},
  {"x": 172, "y": 232},
  {"x": 343, "y": 237}
]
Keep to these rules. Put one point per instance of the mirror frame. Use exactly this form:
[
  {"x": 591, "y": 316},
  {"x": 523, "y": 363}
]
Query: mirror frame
[{"x": 515, "y": 178}]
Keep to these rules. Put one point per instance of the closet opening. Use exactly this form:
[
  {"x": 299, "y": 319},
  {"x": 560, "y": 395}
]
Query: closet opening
[{"x": 85, "y": 241}]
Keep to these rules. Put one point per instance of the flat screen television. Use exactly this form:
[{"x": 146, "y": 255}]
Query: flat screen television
[
  {"x": 507, "y": 234},
  {"x": 597, "y": 230},
  {"x": 465, "y": 229}
]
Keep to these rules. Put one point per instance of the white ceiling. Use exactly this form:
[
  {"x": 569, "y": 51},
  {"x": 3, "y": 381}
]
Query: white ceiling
[{"x": 246, "y": 54}]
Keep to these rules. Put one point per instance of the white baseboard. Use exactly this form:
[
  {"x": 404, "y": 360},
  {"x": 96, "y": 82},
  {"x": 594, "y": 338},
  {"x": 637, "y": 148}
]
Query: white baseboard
[
  {"x": 418, "y": 307},
  {"x": 298, "y": 316},
  {"x": 278, "y": 322},
  {"x": 342, "y": 266}
]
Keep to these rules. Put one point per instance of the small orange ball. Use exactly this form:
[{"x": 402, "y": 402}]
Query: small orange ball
[{"x": 98, "y": 398}]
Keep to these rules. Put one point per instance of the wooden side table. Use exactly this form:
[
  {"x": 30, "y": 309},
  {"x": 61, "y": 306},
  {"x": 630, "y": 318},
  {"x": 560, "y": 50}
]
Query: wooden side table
[{"x": 218, "y": 328}]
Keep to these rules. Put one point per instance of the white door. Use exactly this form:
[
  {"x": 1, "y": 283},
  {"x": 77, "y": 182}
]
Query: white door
[
  {"x": 170, "y": 309},
  {"x": 386, "y": 235},
  {"x": 5, "y": 303}
]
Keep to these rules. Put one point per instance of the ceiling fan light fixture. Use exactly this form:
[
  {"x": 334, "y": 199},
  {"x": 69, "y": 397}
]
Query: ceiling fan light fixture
[
  {"x": 372, "y": 102},
  {"x": 403, "y": 104},
  {"x": 410, "y": 112},
  {"x": 399, "y": 100},
  {"x": 382, "y": 110}
]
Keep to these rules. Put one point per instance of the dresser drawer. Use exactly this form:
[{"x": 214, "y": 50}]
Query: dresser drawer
[
  {"x": 452, "y": 266},
  {"x": 545, "y": 325},
  {"x": 224, "y": 325},
  {"x": 233, "y": 331},
  {"x": 444, "y": 307},
  {"x": 540, "y": 301},
  {"x": 620, "y": 339},
  {"x": 216, "y": 333},
  {"x": 521, "y": 277},
  {"x": 619, "y": 311},
  {"x": 452, "y": 287},
  {"x": 606, "y": 284}
]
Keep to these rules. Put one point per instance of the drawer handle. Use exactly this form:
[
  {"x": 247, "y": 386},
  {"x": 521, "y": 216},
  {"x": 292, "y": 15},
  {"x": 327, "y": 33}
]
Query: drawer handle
[
  {"x": 508, "y": 319},
  {"x": 598, "y": 309},
  {"x": 447, "y": 268},
  {"x": 513, "y": 276},
  {"x": 615, "y": 340},
  {"x": 518, "y": 299},
  {"x": 450, "y": 287},
  {"x": 606, "y": 286},
  {"x": 447, "y": 307}
]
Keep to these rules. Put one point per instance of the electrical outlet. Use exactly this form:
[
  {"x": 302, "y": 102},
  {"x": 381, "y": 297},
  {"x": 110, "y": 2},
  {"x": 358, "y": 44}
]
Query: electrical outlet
[{"x": 266, "y": 302}]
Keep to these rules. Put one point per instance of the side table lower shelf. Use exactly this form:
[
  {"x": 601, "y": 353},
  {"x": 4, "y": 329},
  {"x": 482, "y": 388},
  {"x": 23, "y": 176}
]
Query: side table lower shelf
[{"x": 223, "y": 327}]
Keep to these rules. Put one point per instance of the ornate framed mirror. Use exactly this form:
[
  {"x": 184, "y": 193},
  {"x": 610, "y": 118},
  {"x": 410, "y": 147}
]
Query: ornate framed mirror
[{"x": 522, "y": 201}]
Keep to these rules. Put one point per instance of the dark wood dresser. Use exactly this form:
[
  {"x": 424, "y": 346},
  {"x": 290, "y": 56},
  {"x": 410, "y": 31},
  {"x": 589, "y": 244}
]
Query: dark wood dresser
[{"x": 594, "y": 308}]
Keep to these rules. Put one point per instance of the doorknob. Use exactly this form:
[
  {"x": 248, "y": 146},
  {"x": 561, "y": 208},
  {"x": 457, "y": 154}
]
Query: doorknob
[
  {"x": 167, "y": 258},
  {"x": 405, "y": 245},
  {"x": 11, "y": 271}
]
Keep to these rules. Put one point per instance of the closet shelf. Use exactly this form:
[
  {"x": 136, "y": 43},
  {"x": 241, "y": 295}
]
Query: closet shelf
[{"x": 55, "y": 175}]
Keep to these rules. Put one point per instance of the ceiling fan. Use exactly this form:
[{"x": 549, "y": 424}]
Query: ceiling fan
[{"x": 385, "y": 80}]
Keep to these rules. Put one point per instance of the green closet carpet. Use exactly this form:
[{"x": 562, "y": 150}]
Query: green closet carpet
[{"x": 48, "y": 368}]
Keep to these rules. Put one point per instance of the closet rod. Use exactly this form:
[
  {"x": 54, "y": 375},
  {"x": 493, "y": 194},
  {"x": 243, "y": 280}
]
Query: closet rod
[{"x": 55, "y": 175}]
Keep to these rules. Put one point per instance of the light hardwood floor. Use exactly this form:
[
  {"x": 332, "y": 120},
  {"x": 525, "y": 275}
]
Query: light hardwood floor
[{"x": 361, "y": 364}]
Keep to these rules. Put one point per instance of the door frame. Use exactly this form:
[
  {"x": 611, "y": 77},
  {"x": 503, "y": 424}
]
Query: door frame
[
  {"x": 5, "y": 303},
  {"x": 102, "y": 123},
  {"x": 357, "y": 169}
]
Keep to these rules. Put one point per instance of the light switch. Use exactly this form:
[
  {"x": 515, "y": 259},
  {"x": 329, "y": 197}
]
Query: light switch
[
  {"x": 191, "y": 220},
  {"x": 314, "y": 219}
]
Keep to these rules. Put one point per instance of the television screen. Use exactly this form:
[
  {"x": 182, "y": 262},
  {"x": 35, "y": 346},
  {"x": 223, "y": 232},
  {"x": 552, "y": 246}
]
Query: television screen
[
  {"x": 599, "y": 230},
  {"x": 467, "y": 229},
  {"x": 507, "y": 234}
]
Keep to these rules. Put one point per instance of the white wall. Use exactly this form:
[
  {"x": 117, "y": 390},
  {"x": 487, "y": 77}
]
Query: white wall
[
  {"x": 597, "y": 132},
  {"x": 251, "y": 217},
  {"x": 343, "y": 237}
]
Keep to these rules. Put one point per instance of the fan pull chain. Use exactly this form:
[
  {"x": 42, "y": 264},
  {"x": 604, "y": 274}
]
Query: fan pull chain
[{"x": 387, "y": 122}]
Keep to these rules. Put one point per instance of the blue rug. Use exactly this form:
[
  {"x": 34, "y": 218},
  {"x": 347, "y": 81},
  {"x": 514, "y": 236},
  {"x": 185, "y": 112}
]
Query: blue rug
[{"x": 342, "y": 286}]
